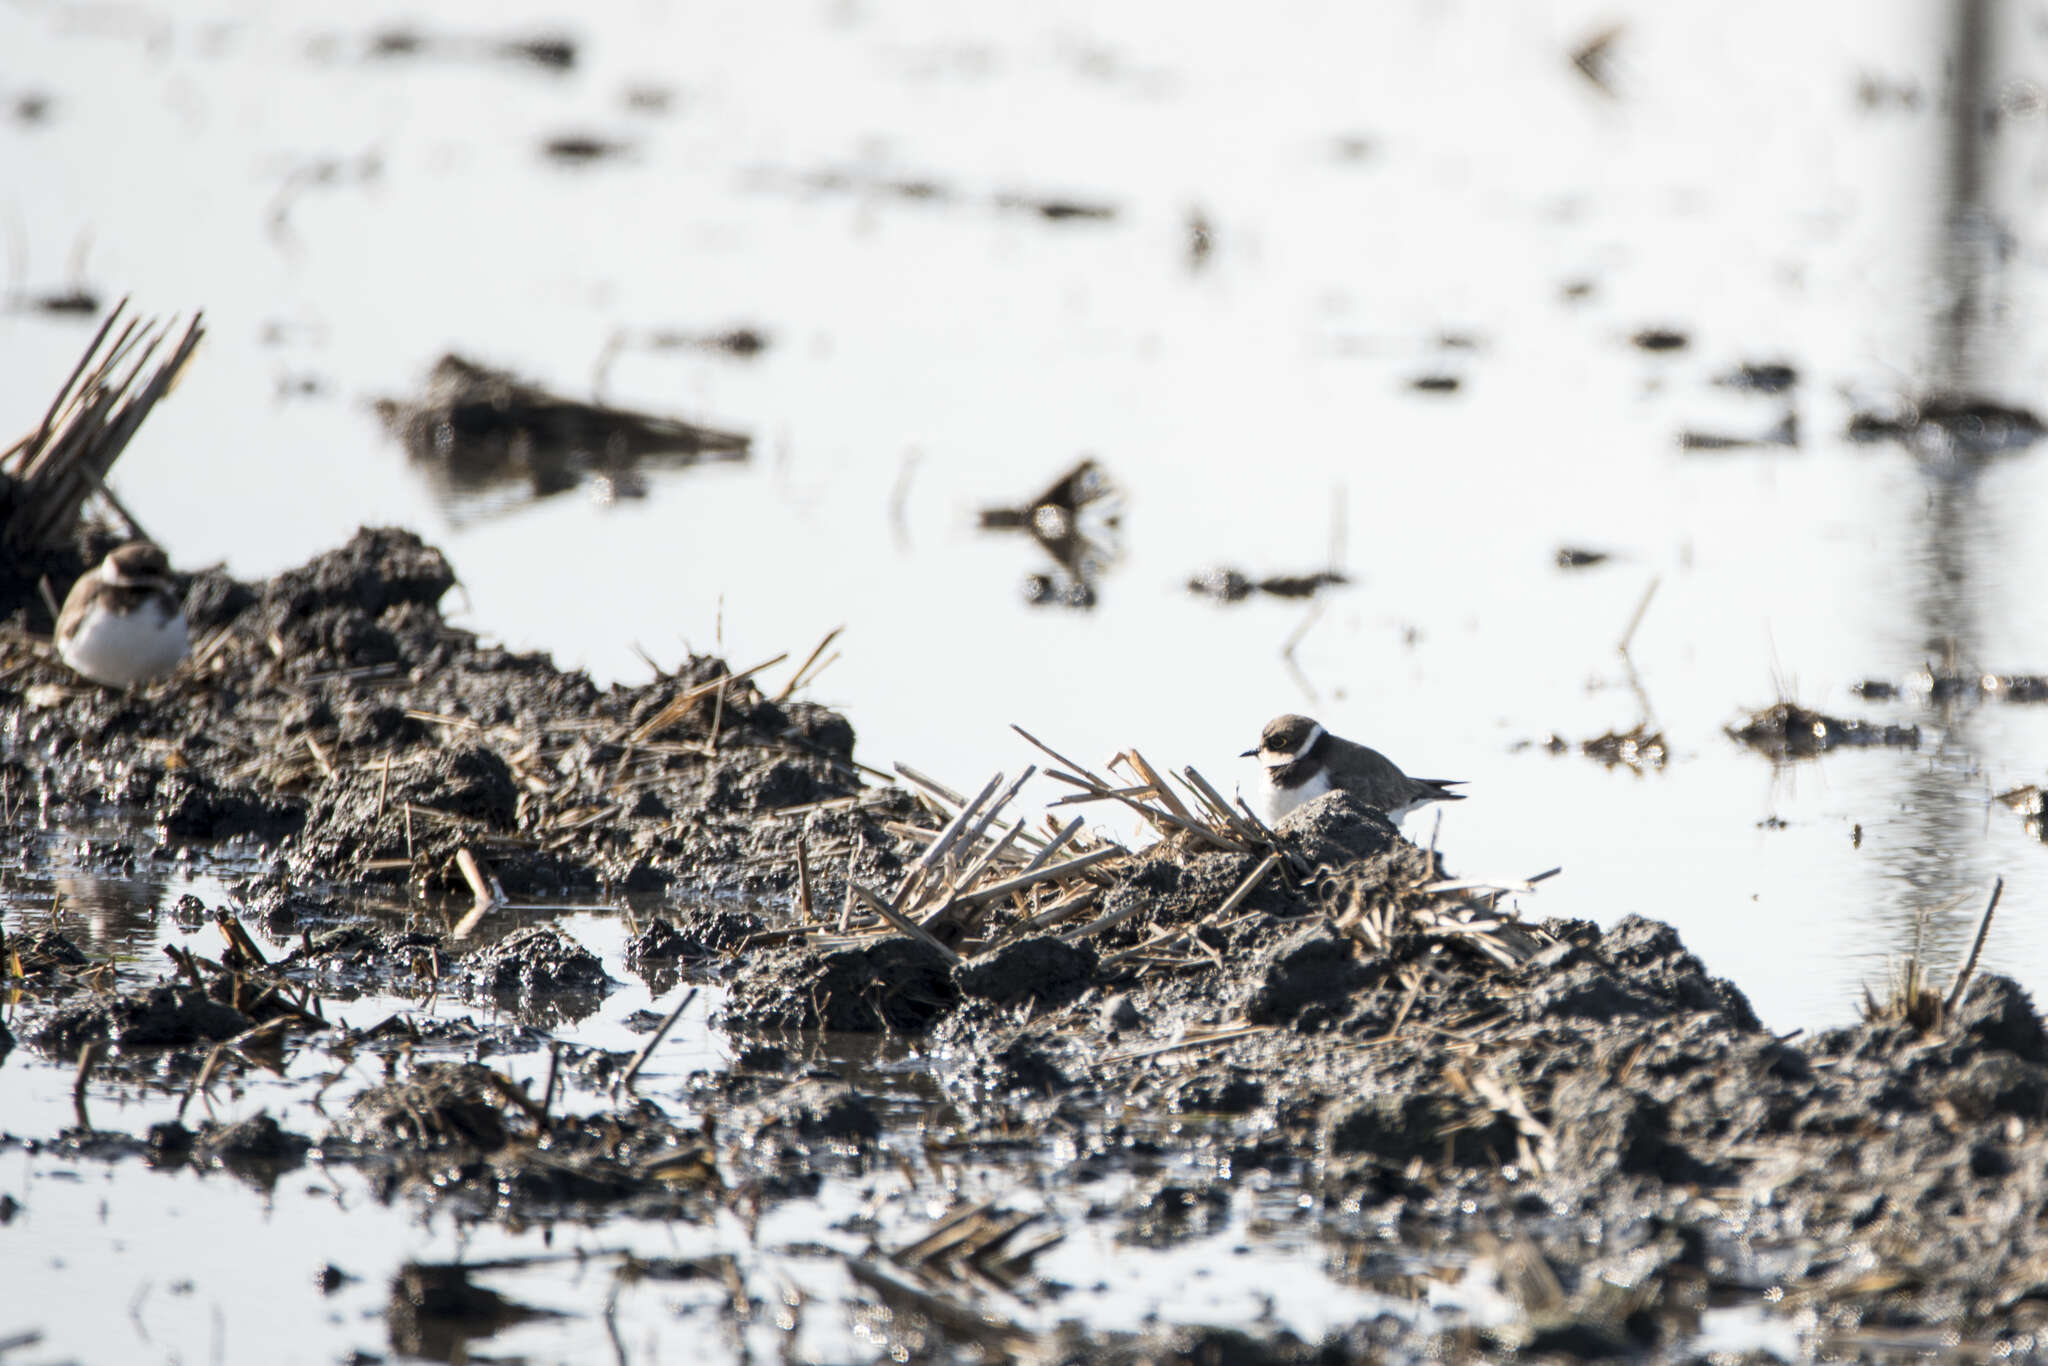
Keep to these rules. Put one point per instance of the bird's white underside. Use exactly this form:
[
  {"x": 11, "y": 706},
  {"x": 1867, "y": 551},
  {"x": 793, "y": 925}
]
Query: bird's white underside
[
  {"x": 122, "y": 649},
  {"x": 1281, "y": 800}
]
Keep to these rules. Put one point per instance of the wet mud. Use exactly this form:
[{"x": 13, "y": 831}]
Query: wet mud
[
  {"x": 331, "y": 721},
  {"x": 1585, "y": 1120}
]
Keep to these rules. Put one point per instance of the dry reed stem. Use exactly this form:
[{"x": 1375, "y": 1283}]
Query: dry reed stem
[
  {"x": 803, "y": 881},
  {"x": 1053, "y": 845},
  {"x": 798, "y": 679},
  {"x": 1962, "y": 984},
  {"x": 654, "y": 1041},
  {"x": 679, "y": 705},
  {"x": 909, "y": 927},
  {"x": 481, "y": 887},
  {"x": 88, "y": 425},
  {"x": 1151, "y": 775},
  {"x": 1066, "y": 908},
  {"x": 931, "y": 785},
  {"x": 1058, "y": 870}
]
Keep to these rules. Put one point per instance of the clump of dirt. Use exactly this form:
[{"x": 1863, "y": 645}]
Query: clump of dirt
[
  {"x": 166, "y": 1015},
  {"x": 1787, "y": 730},
  {"x": 335, "y": 721}
]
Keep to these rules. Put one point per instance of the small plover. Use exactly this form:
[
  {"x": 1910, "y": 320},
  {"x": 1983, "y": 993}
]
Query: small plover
[
  {"x": 1300, "y": 760},
  {"x": 123, "y": 622}
]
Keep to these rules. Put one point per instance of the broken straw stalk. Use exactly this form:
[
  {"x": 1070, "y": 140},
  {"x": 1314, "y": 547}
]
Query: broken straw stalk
[{"x": 981, "y": 882}]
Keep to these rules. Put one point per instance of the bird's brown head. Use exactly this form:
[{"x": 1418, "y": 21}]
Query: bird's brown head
[
  {"x": 1285, "y": 739},
  {"x": 138, "y": 564}
]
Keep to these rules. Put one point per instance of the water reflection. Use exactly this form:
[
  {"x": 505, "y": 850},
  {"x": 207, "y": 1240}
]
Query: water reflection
[
  {"x": 487, "y": 442},
  {"x": 1078, "y": 522},
  {"x": 1942, "y": 867}
]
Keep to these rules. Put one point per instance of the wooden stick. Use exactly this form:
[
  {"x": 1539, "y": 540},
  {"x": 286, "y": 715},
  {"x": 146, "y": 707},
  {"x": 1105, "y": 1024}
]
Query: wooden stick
[
  {"x": 653, "y": 1042},
  {"x": 1166, "y": 794},
  {"x": 1054, "y": 845},
  {"x": 931, "y": 785},
  {"x": 1081, "y": 769},
  {"x": 796, "y": 679},
  {"x": 936, "y": 850},
  {"x": 1066, "y": 908},
  {"x": 980, "y": 828},
  {"x": 1955, "y": 994},
  {"x": 1057, "y": 870},
  {"x": 909, "y": 927},
  {"x": 481, "y": 886},
  {"x": 803, "y": 881},
  {"x": 1244, "y": 829}
]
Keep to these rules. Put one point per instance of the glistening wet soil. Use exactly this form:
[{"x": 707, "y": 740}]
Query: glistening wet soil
[{"x": 1531, "y": 1138}]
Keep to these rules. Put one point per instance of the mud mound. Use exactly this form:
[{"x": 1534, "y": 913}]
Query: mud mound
[
  {"x": 166, "y": 1015},
  {"x": 334, "y": 719}
]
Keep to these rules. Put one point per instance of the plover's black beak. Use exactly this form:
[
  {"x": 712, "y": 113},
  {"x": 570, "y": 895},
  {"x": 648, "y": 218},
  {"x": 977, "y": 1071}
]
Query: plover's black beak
[{"x": 1249, "y": 754}]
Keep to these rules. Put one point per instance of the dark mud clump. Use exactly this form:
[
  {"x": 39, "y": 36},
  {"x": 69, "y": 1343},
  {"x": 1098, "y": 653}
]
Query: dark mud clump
[
  {"x": 1787, "y": 730},
  {"x": 541, "y": 959},
  {"x": 166, "y": 1015},
  {"x": 338, "y": 723}
]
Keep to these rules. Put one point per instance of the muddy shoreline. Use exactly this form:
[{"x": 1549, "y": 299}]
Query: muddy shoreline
[{"x": 1592, "y": 1123}]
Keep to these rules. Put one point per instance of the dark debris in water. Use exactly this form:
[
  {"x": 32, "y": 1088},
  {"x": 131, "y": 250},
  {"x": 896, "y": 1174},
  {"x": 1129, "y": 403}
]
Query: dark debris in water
[
  {"x": 1057, "y": 210},
  {"x": 1943, "y": 424},
  {"x": 1638, "y": 748},
  {"x": 582, "y": 149},
  {"x": 1784, "y": 434},
  {"x": 477, "y": 432},
  {"x": 1786, "y": 730},
  {"x": 1232, "y": 585},
  {"x": 1660, "y": 339},
  {"x": 1761, "y": 377},
  {"x": 1578, "y": 557},
  {"x": 1078, "y": 522},
  {"x": 1948, "y": 686},
  {"x": 549, "y": 52}
]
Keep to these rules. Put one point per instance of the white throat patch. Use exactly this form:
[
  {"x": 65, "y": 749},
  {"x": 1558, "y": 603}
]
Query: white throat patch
[{"x": 1281, "y": 800}]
